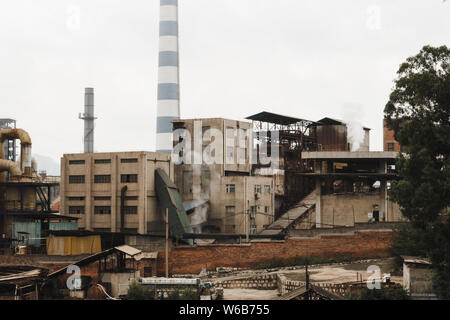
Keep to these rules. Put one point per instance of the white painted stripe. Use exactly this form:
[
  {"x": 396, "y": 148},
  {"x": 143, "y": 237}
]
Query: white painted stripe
[
  {"x": 168, "y": 43},
  {"x": 168, "y": 108},
  {"x": 168, "y": 13},
  {"x": 168, "y": 75},
  {"x": 164, "y": 141}
]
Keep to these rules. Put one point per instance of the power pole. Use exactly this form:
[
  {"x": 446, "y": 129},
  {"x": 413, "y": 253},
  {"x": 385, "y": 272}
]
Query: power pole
[
  {"x": 167, "y": 242},
  {"x": 247, "y": 223},
  {"x": 307, "y": 281}
]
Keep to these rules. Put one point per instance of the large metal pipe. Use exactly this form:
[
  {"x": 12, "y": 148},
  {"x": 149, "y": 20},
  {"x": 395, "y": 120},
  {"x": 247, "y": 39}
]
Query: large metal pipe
[
  {"x": 11, "y": 167},
  {"x": 25, "y": 147}
]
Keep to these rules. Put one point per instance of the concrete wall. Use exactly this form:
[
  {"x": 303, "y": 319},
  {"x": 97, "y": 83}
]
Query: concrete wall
[
  {"x": 208, "y": 181},
  {"x": 148, "y": 217},
  {"x": 347, "y": 209},
  {"x": 119, "y": 281}
]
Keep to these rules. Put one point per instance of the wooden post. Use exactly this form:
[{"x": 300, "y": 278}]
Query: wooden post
[
  {"x": 37, "y": 291},
  {"x": 167, "y": 242}
]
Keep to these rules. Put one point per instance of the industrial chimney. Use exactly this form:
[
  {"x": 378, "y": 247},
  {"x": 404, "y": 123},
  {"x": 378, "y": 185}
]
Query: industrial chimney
[
  {"x": 88, "y": 117},
  {"x": 168, "y": 108}
]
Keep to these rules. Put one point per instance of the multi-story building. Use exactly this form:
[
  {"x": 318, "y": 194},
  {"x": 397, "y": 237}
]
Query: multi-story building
[
  {"x": 213, "y": 165},
  {"x": 389, "y": 142},
  {"x": 113, "y": 191}
]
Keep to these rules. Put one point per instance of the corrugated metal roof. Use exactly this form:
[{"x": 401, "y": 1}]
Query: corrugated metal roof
[
  {"x": 146, "y": 255},
  {"x": 275, "y": 118},
  {"x": 416, "y": 260},
  {"x": 128, "y": 250}
]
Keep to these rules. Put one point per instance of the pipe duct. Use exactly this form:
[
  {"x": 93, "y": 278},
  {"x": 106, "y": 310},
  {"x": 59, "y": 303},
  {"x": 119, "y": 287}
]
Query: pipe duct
[
  {"x": 11, "y": 167},
  {"x": 25, "y": 147}
]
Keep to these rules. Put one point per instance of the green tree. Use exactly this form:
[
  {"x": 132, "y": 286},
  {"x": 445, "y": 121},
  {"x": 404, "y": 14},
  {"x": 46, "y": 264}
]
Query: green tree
[
  {"x": 384, "y": 293},
  {"x": 138, "y": 292},
  {"x": 418, "y": 111}
]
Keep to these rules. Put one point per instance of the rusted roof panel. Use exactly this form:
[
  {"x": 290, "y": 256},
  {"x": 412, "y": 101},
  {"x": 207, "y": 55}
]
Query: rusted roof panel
[{"x": 275, "y": 118}]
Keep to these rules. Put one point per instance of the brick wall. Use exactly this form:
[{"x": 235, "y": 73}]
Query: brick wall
[
  {"x": 388, "y": 137},
  {"x": 191, "y": 260}
]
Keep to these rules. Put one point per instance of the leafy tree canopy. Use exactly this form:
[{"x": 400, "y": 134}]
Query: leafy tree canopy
[{"x": 418, "y": 111}]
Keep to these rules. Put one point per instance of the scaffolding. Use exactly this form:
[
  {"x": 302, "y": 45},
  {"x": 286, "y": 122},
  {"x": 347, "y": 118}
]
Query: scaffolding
[{"x": 289, "y": 136}]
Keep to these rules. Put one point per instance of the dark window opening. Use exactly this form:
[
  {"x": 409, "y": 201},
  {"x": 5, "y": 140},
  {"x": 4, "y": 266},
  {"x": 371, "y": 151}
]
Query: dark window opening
[
  {"x": 102, "y": 210},
  {"x": 102, "y": 178},
  {"x": 76, "y": 161},
  {"x": 76, "y": 209},
  {"x": 76, "y": 179},
  {"x": 128, "y": 178}
]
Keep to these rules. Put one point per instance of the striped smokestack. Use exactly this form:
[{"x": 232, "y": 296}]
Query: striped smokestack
[{"x": 168, "y": 107}]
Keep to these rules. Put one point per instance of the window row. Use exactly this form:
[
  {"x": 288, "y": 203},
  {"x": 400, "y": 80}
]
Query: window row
[
  {"x": 101, "y": 198},
  {"x": 106, "y": 178},
  {"x": 102, "y": 210},
  {"x": 231, "y": 211},
  {"x": 231, "y": 188},
  {"x": 104, "y": 161}
]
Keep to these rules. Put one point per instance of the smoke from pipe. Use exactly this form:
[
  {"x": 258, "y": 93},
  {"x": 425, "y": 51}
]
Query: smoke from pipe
[{"x": 351, "y": 115}]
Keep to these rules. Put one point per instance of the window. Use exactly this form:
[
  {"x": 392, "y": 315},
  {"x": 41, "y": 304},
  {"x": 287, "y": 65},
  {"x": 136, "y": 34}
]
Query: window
[
  {"x": 230, "y": 188},
  {"x": 148, "y": 272},
  {"x": 128, "y": 178},
  {"x": 130, "y": 160},
  {"x": 229, "y": 133},
  {"x": 187, "y": 182},
  {"x": 102, "y": 198},
  {"x": 102, "y": 161},
  {"x": 131, "y": 198},
  {"x": 206, "y": 132},
  {"x": 76, "y": 179},
  {"x": 75, "y": 198},
  {"x": 230, "y": 210},
  {"x": 257, "y": 188},
  {"x": 130, "y": 210},
  {"x": 76, "y": 209},
  {"x": 205, "y": 181},
  {"x": 253, "y": 229},
  {"x": 102, "y": 210},
  {"x": 267, "y": 188},
  {"x": 390, "y": 146},
  {"x": 230, "y": 152},
  {"x": 76, "y": 161},
  {"x": 252, "y": 212},
  {"x": 102, "y": 178},
  {"x": 266, "y": 209},
  {"x": 242, "y": 153}
]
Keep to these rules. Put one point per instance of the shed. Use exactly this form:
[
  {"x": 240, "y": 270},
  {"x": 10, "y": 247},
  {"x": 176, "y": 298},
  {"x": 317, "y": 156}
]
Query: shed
[{"x": 417, "y": 277}]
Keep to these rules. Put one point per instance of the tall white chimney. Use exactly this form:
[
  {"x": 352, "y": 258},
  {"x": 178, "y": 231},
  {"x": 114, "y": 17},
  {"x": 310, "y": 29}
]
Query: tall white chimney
[{"x": 168, "y": 107}]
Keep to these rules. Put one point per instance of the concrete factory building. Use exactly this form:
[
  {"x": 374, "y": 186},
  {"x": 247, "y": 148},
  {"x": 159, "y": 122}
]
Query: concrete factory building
[
  {"x": 113, "y": 191},
  {"x": 228, "y": 197}
]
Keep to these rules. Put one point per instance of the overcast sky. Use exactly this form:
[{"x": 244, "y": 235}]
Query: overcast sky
[{"x": 307, "y": 59}]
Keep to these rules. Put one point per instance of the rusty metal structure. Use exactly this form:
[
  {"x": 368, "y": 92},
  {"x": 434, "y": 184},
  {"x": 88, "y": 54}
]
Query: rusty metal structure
[
  {"x": 289, "y": 136},
  {"x": 331, "y": 135},
  {"x": 24, "y": 197}
]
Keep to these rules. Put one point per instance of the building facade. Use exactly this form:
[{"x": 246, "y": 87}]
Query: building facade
[
  {"x": 113, "y": 191},
  {"x": 214, "y": 165}
]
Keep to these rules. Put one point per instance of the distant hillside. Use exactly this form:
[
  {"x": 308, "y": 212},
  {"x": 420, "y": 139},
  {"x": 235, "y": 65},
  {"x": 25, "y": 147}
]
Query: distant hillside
[{"x": 48, "y": 164}]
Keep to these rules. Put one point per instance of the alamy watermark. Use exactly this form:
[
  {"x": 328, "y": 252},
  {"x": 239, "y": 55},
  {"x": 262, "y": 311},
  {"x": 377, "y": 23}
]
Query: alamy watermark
[{"x": 210, "y": 146}]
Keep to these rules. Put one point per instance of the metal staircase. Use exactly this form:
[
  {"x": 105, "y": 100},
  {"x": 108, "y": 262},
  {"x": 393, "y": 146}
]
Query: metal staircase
[{"x": 295, "y": 214}]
